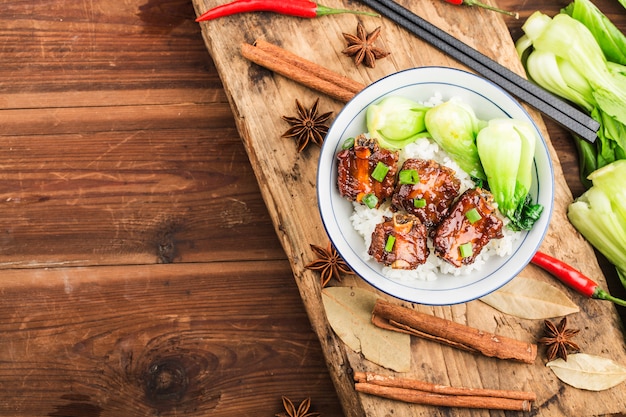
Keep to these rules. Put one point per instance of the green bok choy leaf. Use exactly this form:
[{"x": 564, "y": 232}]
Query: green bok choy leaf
[
  {"x": 506, "y": 148},
  {"x": 453, "y": 125},
  {"x": 579, "y": 55},
  {"x": 599, "y": 214},
  {"x": 396, "y": 121},
  {"x": 608, "y": 36}
]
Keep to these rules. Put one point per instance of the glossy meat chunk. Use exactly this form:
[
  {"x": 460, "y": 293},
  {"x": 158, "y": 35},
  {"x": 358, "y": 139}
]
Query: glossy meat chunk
[
  {"x": 461, "y": 236},
  {"x": 356, "y": 166},
  {"x": 430, "y": 198},
  {"x": 408, "y": 248}
]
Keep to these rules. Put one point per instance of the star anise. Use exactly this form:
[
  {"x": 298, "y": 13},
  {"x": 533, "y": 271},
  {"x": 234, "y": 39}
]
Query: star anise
[
  {"x": 329, "y": 263},
  {"x": 362, "y": 48},
  {"x": 558, "y": 339},
  {"x": 307, "y": 126},
  {"x": 301, "y": 411}
]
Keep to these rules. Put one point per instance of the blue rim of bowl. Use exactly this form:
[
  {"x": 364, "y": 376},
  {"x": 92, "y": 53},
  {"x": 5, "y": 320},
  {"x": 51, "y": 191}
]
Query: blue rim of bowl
[{"x": 397, "y": 285}]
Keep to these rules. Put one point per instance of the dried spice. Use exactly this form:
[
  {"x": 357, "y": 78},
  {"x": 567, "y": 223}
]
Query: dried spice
[
  {"x": 307, "y": 126},
  {"x": 541, "y": 300},
  {"x": 362, "y": 48},
  {"x": 329, "y": 264},
  {"x": 589, "y": 372},
  {"x": 301, "y": 411},
  {"x": 558, "y": 339},
  {"x": 349, "y": 313}
]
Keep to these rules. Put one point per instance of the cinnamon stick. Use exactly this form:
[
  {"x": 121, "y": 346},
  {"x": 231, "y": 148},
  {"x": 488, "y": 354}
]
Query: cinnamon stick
[
  {"x": 395, "y": 317},
  {"x": 429, "y": 398},
  {"x": 301, "y": 70},
  {"x": 414, "y": 384},
  {"x": 311, "y": 67}
]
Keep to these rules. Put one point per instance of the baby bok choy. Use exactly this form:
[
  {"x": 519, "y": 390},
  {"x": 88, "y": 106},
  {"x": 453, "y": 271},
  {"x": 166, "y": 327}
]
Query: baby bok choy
[
  {"x": 599, "y": 214},
  {"x": 396, "y": 121},
  {"x": 506, "y": 148},
  {"x": 453, "y": 125},
  {"x": 609, "y": 37},
  {"x": 566, "y": 57}
]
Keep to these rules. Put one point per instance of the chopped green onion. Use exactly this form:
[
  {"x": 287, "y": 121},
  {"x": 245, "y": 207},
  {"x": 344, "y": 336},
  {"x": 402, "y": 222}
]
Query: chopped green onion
[
  {"x": 409, "y": 176},
  {"x": 390, "y": 241},
  {"x": 380, "y": 172},
  {"x": 370, "y": 200},
  {"x": 472, "y": 215},
  {"x": 465, "y": 250},
  {"x": 348, "y": 143},
  {"x": 419, "y": 203}
]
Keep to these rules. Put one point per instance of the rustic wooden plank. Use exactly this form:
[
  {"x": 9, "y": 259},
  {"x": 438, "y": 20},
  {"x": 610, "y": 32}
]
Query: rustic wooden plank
[
  {"x": 141, "y": 196},
  {"x": 192, "y": 339},
  {"x": 287, "y": 181},
  {"x": 125, "y": 53},
  {"x": 119, "y": 146},
  {"x": 64, "y": 120},
  {"x": 200, "y": 96},
  {"x": 75, "y": 46}
]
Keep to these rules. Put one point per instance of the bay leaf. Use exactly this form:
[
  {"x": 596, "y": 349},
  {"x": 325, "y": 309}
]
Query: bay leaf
[
  {"x": 530, "y": 299},
  {"x": 349, "y": 312},
  {"x": 588, "y": 372}
]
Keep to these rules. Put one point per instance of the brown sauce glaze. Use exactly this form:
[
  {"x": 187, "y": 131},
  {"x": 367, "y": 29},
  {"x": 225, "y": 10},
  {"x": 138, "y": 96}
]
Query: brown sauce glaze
[
  {"x": 456, "y": 229},
  {"x": 438, "y": 186},
  {"x": 409, "y": 249},
  {"x": 356, "y": 166}
]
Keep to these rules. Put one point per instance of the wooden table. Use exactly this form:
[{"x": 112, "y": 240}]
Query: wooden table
[{"x": 141, "y": 274}]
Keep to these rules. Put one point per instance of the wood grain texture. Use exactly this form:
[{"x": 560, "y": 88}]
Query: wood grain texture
[
  {"x": 141, "y": 274},
  {"x": 117, "y": 136},
  {"x": 287, "y": 181},
  {"x": 175, "y": 341},
  {"x": 141, "y": 271}
]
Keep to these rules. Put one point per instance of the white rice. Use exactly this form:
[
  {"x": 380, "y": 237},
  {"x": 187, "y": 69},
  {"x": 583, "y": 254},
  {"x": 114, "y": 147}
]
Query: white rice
[{"x": 364, "y": 220}]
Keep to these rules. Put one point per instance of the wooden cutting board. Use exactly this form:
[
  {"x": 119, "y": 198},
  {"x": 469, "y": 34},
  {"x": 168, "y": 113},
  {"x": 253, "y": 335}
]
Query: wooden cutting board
[{"x": 287, "y": 179}]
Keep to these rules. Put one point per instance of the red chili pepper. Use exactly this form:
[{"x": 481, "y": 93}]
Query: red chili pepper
[
  {"x": 573, "y": 278},
  {"x": 298, "y": 8},
  {"x": 483, "y": 5}
]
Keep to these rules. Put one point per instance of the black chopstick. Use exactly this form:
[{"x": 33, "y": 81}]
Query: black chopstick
[{"x": 561, "y": 112}]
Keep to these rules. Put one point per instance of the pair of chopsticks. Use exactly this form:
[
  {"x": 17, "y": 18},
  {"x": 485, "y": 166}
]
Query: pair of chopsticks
[{"x": 561, "y": 112}]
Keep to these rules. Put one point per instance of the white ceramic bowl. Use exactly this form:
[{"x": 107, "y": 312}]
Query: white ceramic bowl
[{"x": 420, "y": 84}]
